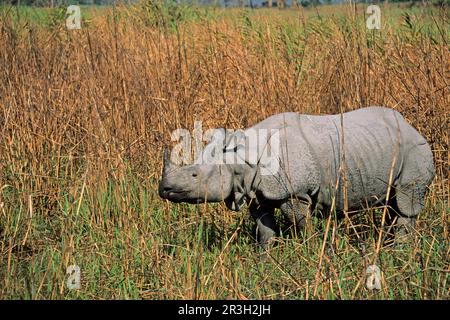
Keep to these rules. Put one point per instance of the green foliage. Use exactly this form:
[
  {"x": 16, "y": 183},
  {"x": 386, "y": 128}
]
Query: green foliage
[
  {"x": 128, "y": 242},
  {"x": 195, "y": 248},
  {"x": 167, "y": 15},
  {"x": 56, "y": 17}
]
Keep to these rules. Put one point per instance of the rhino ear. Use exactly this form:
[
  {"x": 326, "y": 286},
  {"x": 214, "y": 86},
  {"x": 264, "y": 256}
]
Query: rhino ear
[
  {"x": 234, "y": 141},
  {"x": 216, "y": 143}
]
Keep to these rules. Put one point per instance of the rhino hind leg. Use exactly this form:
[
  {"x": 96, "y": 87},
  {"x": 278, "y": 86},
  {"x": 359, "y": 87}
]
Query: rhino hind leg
[
  {"x": 417, "y": 174},
  {"x": 265, "y": 223},
  {"x": 409, "y": 201}
]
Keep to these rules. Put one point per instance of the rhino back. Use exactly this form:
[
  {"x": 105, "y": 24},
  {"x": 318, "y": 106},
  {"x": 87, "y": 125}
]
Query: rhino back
[{"x": 313, "y": 149}]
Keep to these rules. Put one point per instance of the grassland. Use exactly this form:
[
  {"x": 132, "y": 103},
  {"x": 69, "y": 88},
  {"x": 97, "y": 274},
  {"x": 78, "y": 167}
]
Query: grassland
[{"x": 84, "y": 115}]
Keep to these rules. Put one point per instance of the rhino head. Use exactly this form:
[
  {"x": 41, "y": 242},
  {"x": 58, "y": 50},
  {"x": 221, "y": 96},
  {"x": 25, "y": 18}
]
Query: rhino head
[
  {"x": 227, "y": 170},
  {"x": 195, "y": 183},
  {"x": 203, "y": 181}
]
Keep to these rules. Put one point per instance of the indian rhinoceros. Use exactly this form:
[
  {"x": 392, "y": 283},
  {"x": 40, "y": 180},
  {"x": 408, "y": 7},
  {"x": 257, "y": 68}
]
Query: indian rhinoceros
[{"x": 378, "y": 157}]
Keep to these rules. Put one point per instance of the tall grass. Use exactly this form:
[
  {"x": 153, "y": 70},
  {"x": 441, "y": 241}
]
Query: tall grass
[{"x": 84, "y": 115}]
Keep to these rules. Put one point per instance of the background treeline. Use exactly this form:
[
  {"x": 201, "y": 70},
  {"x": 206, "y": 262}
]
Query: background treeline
[{"x": 223, "y": 3}]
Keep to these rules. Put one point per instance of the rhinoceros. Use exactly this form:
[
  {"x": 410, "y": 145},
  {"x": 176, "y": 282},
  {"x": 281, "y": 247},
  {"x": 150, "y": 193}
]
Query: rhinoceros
[{"x": 349, "y": 161}]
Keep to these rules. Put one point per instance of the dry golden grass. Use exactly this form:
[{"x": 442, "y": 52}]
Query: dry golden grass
[{"x": 84, "y": 115}]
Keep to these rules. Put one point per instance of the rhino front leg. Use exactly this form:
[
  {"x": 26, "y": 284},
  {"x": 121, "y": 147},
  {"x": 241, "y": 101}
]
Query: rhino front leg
[
  {"x": 265, "y": 223},
  {"x": 296, "y": 211},
  {"x": 404, "y": 229}
]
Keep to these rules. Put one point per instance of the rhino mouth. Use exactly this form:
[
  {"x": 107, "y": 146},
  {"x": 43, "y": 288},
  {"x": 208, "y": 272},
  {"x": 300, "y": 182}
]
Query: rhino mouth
[
  {"x": 177, "y": 196},
  {"x": 180, "y": 196},
  {"x": 172, "y": 194}
]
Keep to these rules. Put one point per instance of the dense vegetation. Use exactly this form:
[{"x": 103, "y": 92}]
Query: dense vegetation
[{"x": 84, "y": 115}]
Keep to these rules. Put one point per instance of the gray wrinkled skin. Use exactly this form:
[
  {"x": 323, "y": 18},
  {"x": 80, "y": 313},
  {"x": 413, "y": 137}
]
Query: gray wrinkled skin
[{"x": 378, "y": 146}]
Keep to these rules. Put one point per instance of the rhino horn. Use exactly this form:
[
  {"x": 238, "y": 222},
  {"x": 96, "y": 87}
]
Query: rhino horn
[{"x": 168, "y": 164}]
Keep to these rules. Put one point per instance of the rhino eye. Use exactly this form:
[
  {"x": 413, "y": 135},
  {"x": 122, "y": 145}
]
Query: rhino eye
[{"x": 194, "y": 175}]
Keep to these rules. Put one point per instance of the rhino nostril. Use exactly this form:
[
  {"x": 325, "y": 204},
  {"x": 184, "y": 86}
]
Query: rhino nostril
[{"x": 166, "y": 189}]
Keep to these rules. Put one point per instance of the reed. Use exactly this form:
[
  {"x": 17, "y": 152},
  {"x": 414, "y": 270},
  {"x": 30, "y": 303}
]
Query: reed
[{"x": 84, "y": 115}]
